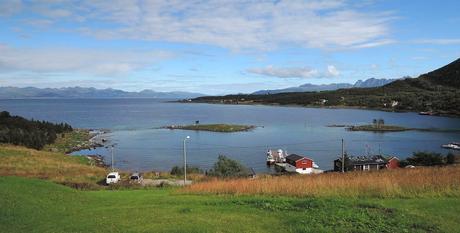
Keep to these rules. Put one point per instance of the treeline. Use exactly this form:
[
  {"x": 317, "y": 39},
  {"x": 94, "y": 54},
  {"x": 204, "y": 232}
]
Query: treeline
[
  {"x": 30, "y": 133},
  {"x": 443, "y": 100},
  {"x": 424, "y": 158}
]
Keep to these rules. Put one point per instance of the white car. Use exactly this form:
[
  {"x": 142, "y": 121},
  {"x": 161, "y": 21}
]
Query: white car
[
  {"x": 136, "y": 178},
  {"x": 112, "y": 178}
]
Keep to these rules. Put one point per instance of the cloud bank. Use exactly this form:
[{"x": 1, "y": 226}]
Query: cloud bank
[
  {"x": 294, "y": 72},
  {"x": 235, "y": 25},
  {"x": 94, "y": 62}
]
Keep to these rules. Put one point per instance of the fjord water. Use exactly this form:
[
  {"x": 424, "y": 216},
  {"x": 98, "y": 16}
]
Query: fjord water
[{"x": 141, "y": 146}]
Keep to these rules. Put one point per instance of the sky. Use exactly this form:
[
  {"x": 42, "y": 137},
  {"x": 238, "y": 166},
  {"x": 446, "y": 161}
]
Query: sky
[{"x": 221, "y": 47}]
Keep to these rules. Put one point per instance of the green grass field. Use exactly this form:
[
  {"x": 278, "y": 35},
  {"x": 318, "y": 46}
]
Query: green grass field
[{"x": 29, "y": 205}]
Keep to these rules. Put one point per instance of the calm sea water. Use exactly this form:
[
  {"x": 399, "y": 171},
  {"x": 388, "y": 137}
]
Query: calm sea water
[{"x": 141, "y": 146}]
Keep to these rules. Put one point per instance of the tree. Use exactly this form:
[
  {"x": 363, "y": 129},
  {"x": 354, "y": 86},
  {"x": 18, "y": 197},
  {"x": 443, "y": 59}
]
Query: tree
[
  {"x": 30, "y": 133},
  {"x": 374, "y": 122},
  {"x": 426, "y": 159},
  {"x": 450, "y": 158},
  {"x": 179, "y": 171},
  {"x": 226, "y": 167}
]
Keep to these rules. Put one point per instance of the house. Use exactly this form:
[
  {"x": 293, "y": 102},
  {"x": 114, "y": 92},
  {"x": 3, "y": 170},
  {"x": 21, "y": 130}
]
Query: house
[
  {"x": 299, "y": 164},
  {"x": 367, "y": 163}
]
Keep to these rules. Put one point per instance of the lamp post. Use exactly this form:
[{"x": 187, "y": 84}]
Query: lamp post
[
  {"x": 112, "y": 155},
  {"x": 185, "y": 160}
]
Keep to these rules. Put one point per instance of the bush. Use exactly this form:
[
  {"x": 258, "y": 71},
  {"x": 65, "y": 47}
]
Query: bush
[
  {"x": 450, "y": 158},
  {"x": 426, "y": 159},
  {"x": 226, "y": 167},
  {"x": 179, "y": 171}
]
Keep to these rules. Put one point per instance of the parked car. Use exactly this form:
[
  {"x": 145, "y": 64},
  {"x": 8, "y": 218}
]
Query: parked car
[
  {"x": 112, "y": 178},
  {"x": 136, "y": 178}
]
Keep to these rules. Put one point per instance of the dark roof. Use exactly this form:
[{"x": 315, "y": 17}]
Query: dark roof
[
  {"x": 295, "y": 157},
  {"x": 362, "y": 160}
]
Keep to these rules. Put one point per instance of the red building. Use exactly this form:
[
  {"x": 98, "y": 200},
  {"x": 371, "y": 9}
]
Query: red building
[
  {"x": 299, "y": 164},
  {"x": 392, "y": 163}
]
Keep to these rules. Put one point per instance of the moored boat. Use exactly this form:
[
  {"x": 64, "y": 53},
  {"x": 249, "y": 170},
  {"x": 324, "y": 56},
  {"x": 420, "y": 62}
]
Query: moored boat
[{"x": 452, "y": 145}]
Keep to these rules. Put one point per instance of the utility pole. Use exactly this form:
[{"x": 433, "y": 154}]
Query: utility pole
[
  {"x": 112, "y": 155},
  {"x": 185, "y": 159},
  {"x": 343, "y": 157}
]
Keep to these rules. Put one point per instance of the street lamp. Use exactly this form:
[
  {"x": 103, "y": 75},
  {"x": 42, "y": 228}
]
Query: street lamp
[
  {"x": 111, "y": 151},
  {"x": 111, "y": 147},
  {"x": 185, "y": 160}
]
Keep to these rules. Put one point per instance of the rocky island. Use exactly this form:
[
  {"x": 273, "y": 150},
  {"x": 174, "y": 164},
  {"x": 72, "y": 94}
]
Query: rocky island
[{"x": 223, "y": 128}]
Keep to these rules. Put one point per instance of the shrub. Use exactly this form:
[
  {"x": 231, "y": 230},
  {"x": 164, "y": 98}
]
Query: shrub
[
  {"x": 226, "y": 167},
  {"x": 179, "y": 171},
  {"x": 450, "y": 158},
  {"x": 426, "y": 159}
]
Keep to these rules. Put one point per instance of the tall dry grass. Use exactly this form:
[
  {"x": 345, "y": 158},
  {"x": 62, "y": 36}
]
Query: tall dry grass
[
  {"x": 20, "y": 161},
  {"x": 418, "y": 182}
]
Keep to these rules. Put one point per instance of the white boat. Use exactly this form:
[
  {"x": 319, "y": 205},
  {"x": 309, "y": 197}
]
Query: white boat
[
  {"x": 452, "y": 145},
  {"x": 270, "y": 158}
]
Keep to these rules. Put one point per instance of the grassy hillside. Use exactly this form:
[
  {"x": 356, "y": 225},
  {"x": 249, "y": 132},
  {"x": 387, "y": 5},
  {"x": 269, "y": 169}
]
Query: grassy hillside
[
  {"x": 57, "y": 167},
  {"x": 67, "y": 142},
  {"x": 419, "y": 200},
  {"x": 437, "y": 91},
  {"x": 41, "y": 206}
]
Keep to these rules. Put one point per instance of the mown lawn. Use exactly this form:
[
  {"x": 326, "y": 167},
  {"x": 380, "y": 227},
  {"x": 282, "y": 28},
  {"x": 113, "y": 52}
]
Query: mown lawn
[{"x": 29, "y": 205}]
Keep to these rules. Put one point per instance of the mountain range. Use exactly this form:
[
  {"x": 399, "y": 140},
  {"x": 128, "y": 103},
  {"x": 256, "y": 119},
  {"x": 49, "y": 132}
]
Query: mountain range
[
  {"x": 372, "y": 82},
  {"x": 83, "y": 92}
]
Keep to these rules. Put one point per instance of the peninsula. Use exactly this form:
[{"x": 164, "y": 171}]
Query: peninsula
[{"x": 437, "y": 91}]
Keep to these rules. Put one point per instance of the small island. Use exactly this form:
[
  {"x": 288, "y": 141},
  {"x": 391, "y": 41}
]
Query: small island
[
  {"x": 223, "y": 128},
  {"x": 382, "y": 128},
  {"x": 379, "y": 126}
]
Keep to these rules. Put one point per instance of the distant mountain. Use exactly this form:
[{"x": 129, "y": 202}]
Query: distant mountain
[
  {"x": 82, "y": 92},
  {"x": 372, "y": 82},
  {"x": 436, "y": 93}
]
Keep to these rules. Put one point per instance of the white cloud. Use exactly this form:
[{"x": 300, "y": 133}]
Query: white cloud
[
  {"x": 10, "y": 7},
  {"x": 438, "y": 41},
  {"x": 237, "y": 25},
  {"x": 332, "y": 71},
  {"x": 88, "y": 61},
  {"x": 289, "y": 72},
  {"x": 294, "y": 72}
]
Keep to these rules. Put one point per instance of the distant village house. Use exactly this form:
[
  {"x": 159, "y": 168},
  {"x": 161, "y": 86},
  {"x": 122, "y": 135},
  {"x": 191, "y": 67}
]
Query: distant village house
[{"x": 367, "y": 163}]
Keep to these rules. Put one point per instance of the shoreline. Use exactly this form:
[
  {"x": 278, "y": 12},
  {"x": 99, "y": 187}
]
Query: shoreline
[
  {"x": 321, "y": 107},
  {"x": 388, "y": 129}
]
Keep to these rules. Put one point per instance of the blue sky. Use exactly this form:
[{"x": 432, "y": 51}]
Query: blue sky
[{"x": 220, "y": 47}]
